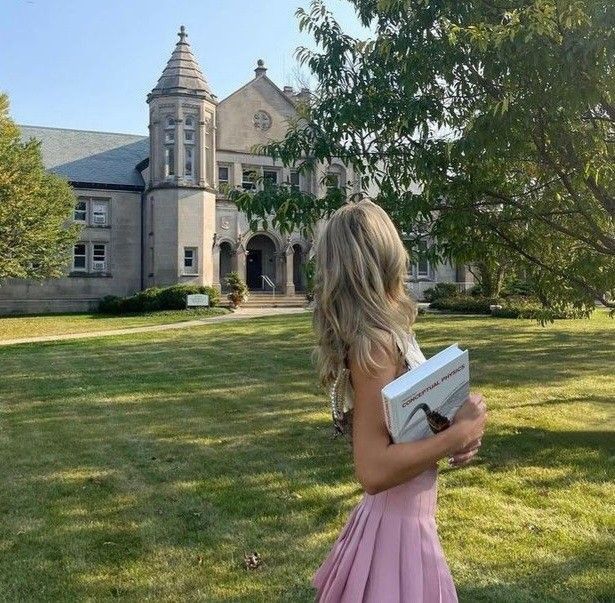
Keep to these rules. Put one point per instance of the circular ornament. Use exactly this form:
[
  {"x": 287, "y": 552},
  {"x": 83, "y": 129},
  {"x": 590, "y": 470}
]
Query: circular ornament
[{"x": 262, "y": 120}]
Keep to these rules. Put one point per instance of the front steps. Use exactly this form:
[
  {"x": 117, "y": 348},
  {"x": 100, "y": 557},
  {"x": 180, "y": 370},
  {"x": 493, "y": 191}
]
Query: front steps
[{"x": 265, "y": 299}]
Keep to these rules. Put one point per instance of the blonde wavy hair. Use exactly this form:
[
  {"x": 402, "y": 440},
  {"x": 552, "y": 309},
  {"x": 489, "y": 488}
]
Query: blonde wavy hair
[{"x": 360, "y": 297}]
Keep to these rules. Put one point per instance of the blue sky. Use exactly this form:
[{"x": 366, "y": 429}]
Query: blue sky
[{"x": 88, "y": 64}]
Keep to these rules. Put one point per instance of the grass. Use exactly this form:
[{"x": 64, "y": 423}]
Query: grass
[
  {"x": 14, "y": 327},
  {"x": 143, "y": 467}
]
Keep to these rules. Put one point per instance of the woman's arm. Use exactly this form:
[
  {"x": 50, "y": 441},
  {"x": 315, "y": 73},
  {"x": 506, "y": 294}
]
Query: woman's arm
[{"x": 380, "y": 464}]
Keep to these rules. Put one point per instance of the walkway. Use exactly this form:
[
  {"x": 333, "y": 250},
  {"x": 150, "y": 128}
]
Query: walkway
[{"x": 239, "y": 314}]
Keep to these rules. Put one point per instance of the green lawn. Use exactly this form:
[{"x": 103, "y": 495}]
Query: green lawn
[
  {"x": 14, "y": 327},
  {"x": 143, "y": 467}
]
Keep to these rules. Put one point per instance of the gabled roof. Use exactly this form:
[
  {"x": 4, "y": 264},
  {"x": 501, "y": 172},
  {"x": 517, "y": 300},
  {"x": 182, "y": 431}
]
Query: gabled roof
[
  {"x": 261, "y": 74},
  {"x": 84, "y": 156},
  {"x": 182, "y": 75}
]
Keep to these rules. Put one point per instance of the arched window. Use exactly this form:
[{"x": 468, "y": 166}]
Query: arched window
[{"x": 189, "y": 130}]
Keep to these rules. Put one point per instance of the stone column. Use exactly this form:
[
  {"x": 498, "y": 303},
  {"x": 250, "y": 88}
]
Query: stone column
[
  {"x": 179, "y": 151},
  {"x": 240, "y": 257},
  {"x": 290, "y": 257},
  {"x": 211, "y": 162},
  {"x": 155, "y": 153},
  {"x": 237, "y": 173},
  {"x": 201, "y": 150},
  {"x": 216, "y": 264}
]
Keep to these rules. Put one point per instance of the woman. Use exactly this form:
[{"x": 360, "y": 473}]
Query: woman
[{"x": 389, "y": 550}]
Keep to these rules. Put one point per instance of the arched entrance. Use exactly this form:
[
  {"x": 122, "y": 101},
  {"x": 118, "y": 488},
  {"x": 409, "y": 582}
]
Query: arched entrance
[
  {"x": 226, "y": 263},
  {"x": 260, "y": 261},
  {"x": 298, "y": 276}
]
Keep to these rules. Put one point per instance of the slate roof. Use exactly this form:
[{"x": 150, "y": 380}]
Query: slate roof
[
  {"x": 91, "y": 157},
  {"x": 182, "y": 75}
]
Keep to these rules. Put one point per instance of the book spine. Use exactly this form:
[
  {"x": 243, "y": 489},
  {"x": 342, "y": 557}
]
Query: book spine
[{"x": 387, "y": 415}]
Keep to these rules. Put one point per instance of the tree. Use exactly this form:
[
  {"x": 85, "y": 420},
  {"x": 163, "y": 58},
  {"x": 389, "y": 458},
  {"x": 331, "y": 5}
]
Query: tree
[
  {"x": 36, "y": 207},
  {"x": 488, "y": 126}
]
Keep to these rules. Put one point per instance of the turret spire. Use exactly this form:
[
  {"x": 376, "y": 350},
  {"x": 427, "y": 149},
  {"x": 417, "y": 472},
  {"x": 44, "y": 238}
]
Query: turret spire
[{"x": 182, "y": 75}]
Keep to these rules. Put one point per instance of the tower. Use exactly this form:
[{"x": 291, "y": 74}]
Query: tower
[{"x": 180, "y": 200}]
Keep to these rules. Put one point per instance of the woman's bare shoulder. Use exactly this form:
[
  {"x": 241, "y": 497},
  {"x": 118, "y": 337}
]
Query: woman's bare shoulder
[{"x": 383, "y": 351}]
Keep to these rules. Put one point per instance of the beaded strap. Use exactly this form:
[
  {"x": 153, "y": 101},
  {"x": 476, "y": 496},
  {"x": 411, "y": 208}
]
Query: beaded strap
[{"x": 338, "y": 399}]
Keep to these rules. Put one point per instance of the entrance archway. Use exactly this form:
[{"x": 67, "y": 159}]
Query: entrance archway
[
  {"x": 260, "y": 261},
  {"x": 226, "y": 263}
]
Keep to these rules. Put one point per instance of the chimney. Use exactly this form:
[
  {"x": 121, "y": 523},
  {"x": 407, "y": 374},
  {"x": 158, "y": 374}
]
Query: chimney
[
  {"x": 289, "y": 91},
  {"x": 303, "y": 96}
]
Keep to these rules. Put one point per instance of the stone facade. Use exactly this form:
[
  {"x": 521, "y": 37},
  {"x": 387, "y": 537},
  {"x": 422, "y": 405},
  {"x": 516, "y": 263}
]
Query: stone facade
[{"x": 151, "y": 207}]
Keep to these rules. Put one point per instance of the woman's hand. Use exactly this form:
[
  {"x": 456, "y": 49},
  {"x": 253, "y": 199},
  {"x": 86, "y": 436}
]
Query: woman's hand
[
  {"x": 470, "y": 422},
  {"x": 464, "y": 456}
]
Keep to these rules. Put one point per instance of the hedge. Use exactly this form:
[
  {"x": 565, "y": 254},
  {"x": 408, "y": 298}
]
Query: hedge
[
  {"x": 517, "y": 307},
  {"x": 464, "y": 304},
  {"x": 440, "y": 291},
  {"x": 524, "y": 308},
  {"x": 156, "y": 298}
]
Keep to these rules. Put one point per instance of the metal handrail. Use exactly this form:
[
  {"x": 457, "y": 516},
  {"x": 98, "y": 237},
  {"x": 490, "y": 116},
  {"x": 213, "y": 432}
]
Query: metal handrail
[{"x": 267, "y": 280}]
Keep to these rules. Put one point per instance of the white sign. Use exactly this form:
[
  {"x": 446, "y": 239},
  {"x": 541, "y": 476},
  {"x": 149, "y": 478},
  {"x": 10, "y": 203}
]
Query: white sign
[{"x": 198, "y": 299}]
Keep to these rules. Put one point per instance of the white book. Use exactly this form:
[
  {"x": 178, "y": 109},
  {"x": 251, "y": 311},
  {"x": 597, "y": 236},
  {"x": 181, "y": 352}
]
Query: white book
[{"x": 424, "y": 400}]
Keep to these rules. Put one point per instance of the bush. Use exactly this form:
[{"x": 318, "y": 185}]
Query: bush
[
  {"x": 517, "y": 287},
  {"x": 464, "y": 304},
  {"x": 238, "y": 289},
  {"x": 440, "y": 291},
  {"x": 156, "y": 298},
  {"x": 174, "y": 297},
  {"x": 476, "y": 290},
  {"x": 521, "y": 307},
  {"x": 110, "y": 304}
]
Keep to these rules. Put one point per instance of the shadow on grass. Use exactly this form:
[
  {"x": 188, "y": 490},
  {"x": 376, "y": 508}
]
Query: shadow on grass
[
  {"x": 531, "y": 587},
  {"x": 145, "y": 466}
]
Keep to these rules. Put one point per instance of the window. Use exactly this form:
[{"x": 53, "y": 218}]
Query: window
[
  {"x": 332, "y": 181},
  {"x": 223, "y": 174},
  {"x": 99, "y": 257},
  {"x": 248, "y": 179},
  {"x": 189, "y": 129},
  {"x": 189, "y": 147},
  {"x": 294, "y": 180},
  {"x": 81, "y": 210},
  {"x": 100, "y": 210},
  {"x": 189, "y": 157},
  {"x": 190, "y": 260},
  {"x": 79, "y": 257},
  {"x": 270, "y": 177},
  {"x": 169, "y": 130},
  {"x": 169, "y": 162},
  {"x": 421, "y": 265}
]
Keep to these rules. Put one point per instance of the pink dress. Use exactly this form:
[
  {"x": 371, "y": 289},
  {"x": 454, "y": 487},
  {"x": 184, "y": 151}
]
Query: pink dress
[{"x": 389, "y": 550}]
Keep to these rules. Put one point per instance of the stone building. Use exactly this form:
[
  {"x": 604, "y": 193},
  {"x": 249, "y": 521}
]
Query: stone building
[{"x": 152, "y": 209}]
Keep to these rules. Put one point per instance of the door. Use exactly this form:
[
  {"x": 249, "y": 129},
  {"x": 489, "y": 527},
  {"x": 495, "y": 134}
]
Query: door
[{"x": 254, "y": 268}]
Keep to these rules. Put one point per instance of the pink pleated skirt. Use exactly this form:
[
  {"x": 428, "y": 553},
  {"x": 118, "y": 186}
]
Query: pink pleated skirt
[{"x": 389, "y": 550}]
